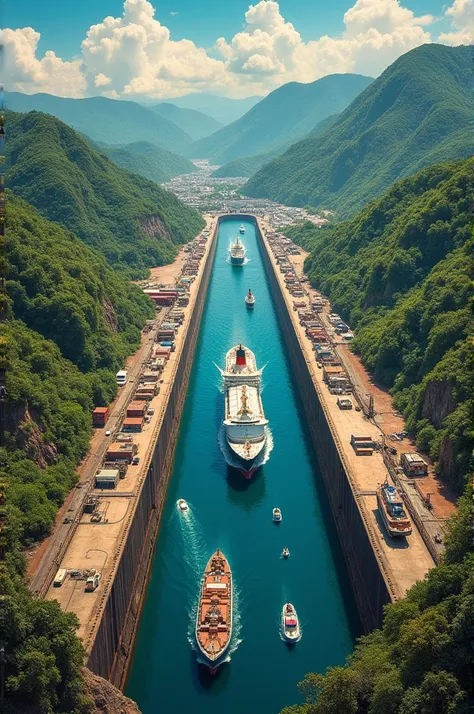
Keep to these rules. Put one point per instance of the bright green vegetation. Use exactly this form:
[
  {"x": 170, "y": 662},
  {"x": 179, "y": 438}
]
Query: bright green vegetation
[
  {"x": 195, "y": 124},
  {"x": 148, "y": 160},
  {"x": 43, "y": 655},
  {"x": 285, "y": 115},
  {"x": 249, "y": 165},
  {"x": 108, "y": 120},
  {"x": 420, "y": 661},
  {"x": 399, "y": 272},
  {"x": 133, "y": 222},
  {"x": 72, "y": 322},
  {"x": 417, "y": 113}
]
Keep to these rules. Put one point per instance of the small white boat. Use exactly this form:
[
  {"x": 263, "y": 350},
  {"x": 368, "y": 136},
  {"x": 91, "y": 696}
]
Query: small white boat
[
  {"x": 290, "y": 625},
  {"x": 250, "y": 299},
  {"x": 277, "y": 515},
  {"x": 182, "y": 505},
  {"x": 285, "y": 553},
  {"x": 242, "y": 228}
]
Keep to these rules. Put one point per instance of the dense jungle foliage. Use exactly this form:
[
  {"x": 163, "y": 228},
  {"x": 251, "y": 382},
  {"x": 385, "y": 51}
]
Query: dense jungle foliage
[
  {"x": 420, "y": 661},
  {"x": 399, "y": 272},
  {"x": 417, "y": 113},
  {"x": 133, "y": 222}
]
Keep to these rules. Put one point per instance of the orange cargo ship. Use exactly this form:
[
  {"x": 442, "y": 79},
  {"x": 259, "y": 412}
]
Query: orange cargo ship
[{"x": 214, "y": 613}]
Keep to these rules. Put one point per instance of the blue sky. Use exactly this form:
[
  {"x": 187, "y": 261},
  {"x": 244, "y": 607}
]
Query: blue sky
[
  {"x": 64, "y": 23},
  {"x": 140, "y": 49}
]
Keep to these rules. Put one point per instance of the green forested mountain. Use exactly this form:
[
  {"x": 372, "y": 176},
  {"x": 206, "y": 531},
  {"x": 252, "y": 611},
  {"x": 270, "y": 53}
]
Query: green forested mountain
[
  {"x": 109, "y": 120},
  {"x": 417, "y": 113},
  {"x": 147, "y": 160},
  {"x": 420, "y": 661},
  {"x": 222, "y": 109},
  {"x": 249, "y": 165},
  {"x": 132, "y": 221},
  {"x": 399, "y": 272},
  {"x": 195, "y": 124},
  {"x": 246, "y": 166},
  {"x": 285, "y": 115}
]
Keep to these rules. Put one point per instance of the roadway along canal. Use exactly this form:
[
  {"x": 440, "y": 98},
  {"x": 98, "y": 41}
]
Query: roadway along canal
[{"x": 236, "y": 515}]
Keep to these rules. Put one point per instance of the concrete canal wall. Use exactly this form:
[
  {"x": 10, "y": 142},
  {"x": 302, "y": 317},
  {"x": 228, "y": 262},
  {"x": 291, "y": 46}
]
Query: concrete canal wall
[
  {"x": 113, "y": 643},
  {"x": 369, "y": 582}
]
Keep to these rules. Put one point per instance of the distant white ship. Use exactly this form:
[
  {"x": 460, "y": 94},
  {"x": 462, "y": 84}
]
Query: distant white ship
[
  {"x": 242, "y": 228},
  {"x": 244, "y": 420},
  {"x": 237, "y": 252}
]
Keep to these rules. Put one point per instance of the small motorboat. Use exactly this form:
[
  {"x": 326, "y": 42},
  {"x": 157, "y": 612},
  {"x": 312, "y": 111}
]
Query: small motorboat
[
  {"x": 277, "y": 515},
  {"x": 242, "y": 228},
  {"x": 290, "y": 626},
  {"x": 250, "y": 300},
  {"x": 182, "y": 505},
  {"x": 285, "y": 553}
]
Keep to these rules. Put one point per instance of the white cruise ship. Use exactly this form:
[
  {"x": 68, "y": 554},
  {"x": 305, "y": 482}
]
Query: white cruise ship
[
  {"x": 237, "y": 253},
  {"x": 244, "y": 421}
]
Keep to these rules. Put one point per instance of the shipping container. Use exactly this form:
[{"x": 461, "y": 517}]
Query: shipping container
[{"x": 100, "y": 416}]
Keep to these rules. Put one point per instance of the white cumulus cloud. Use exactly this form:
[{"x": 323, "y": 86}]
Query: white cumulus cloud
[
  {"x": 461, "y": 14},
  {"x": 134, "y": 55},
  {"x": 26, "y": 73}
]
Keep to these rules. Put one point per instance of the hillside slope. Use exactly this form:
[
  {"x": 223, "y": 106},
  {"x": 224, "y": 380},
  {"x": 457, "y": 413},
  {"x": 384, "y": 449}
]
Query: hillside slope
[
  {"x": 399, "y": 272},
  {"x": 417, "y": 113},
  {"x": 195, "y": 124},
  {"x": 222, "y": 109},
  {"x": 285, "y": 115},
  {"x": 109, "y": 120},
  {"x": 147, "y": 160},
  {"x": 249, "y": 165},
  {"x": 133, "y": 222}
]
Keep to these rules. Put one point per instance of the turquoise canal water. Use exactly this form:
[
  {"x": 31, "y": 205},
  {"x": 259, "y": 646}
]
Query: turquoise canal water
[{"x": 236, "y": 516}]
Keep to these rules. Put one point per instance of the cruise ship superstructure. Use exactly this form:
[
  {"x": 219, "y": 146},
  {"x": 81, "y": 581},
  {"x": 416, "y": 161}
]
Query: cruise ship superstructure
[
  {"x": 244, "y": 420},
  {"x": 237, "y": 252}
]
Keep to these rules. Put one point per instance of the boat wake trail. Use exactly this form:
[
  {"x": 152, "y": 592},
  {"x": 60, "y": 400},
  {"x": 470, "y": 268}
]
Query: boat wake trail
[
  {"x": 194, "y": 543},
  {"x": 246, "y": 260},
  {"x": 232, "y": 460}
]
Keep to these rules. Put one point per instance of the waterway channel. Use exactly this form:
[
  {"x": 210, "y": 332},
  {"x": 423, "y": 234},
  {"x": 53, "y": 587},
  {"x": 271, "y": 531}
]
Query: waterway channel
[{"x": 236, "y": 515}]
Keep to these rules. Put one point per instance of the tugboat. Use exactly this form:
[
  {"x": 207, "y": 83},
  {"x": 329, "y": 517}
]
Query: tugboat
[
  {"x": 391, "y": 509},
  {"x": 290, "y": 625},
  {"x": 182, "y": 505},
  {"x": 242, "y": 228},
  {"x": 237, "y": 253},
  {"x": 214, "y": 612},
  {"x": 250, "y": 300},
  {"x": 277, "y": 517}
]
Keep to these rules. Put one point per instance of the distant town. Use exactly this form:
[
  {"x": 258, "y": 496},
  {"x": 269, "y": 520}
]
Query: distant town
[{"x": 222, "y": 195}]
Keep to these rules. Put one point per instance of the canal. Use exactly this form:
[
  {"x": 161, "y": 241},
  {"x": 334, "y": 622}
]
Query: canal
[{"x": 236, "y": 516}]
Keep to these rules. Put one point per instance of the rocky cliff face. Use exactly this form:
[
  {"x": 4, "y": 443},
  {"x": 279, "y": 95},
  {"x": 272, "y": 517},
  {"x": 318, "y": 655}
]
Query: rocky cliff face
[
  {"x": 107, "y": 699},
  {"x": 153, "y": 227},
  {"x": 438, "y": 402}
]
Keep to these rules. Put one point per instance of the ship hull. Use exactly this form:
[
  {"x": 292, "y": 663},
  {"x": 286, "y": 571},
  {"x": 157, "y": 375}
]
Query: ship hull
[
  {"x": 250, "y": 305},
  {"x": 237, "y": 261},
  {"x": 213, "y": 653},
  {"x": 247, "y": 467}
]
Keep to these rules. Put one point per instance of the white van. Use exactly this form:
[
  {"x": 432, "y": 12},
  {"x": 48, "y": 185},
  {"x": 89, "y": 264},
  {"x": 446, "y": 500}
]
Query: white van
[
  {"x": 60, "y": 577},
  {"x": 121, "y": 377}
]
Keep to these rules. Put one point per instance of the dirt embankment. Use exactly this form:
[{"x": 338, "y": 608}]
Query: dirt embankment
[{"x": 107, "y": 699}]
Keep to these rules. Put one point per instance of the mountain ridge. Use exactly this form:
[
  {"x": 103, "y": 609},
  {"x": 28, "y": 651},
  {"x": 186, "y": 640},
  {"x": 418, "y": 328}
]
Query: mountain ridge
[
  {"x": 415, "y": 114},
  {"x": 282, "y": 117},
  {"x": 106, "y": 120}
]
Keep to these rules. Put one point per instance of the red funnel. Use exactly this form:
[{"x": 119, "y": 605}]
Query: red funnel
[{"x": 241, "y": 361}]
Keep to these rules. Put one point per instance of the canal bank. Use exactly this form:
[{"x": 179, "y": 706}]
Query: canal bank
[
  {"x": 235, "y": 515},
  {"x": 381, "y": 569}
]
